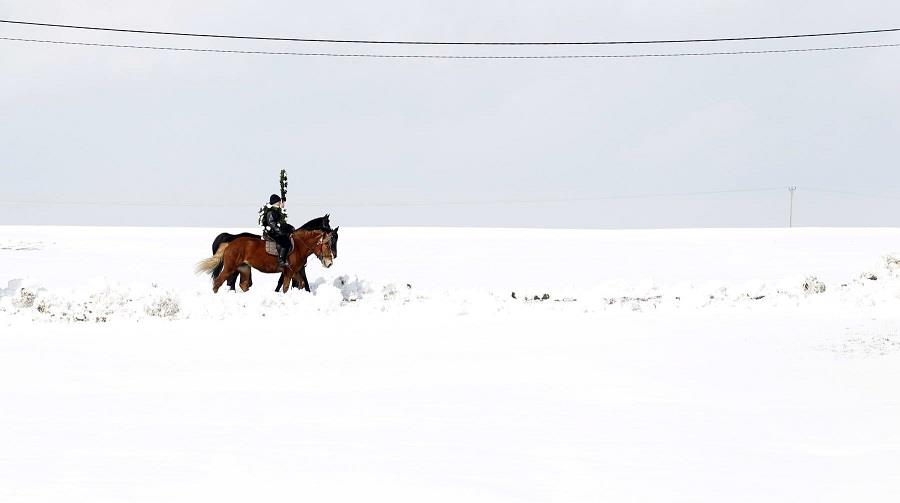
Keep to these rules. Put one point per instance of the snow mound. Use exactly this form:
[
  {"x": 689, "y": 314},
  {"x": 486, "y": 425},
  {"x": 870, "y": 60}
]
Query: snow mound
[
  {"x": 21, "y": 245},
  {"x": 352, "y": 291},
  {"x": 102, "y": 301}
]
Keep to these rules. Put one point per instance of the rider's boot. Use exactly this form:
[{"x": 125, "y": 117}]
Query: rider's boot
[{"x": 282, "y": 257}]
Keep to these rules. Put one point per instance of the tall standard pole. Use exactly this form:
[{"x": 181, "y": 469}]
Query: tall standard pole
[{"x": 791, "y": 189}]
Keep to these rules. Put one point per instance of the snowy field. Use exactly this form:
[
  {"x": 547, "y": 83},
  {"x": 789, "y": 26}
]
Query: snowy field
[{"x": 661, "y": 365}]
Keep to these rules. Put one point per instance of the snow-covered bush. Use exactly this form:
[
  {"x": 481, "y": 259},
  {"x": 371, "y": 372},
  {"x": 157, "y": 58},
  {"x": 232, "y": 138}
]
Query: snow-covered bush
[
  {"x": 19, "y": 293},
  {"x": 24, "y": 299},
  {"x": 812, "y": 285},
  {"x": 166, "y": 305},
  {"x": 389, "y": 291},
  {"x": 892, "y": 264}
]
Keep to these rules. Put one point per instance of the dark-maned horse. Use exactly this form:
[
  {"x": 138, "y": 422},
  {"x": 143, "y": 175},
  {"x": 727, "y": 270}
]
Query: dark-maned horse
[
  {"x": 240, "y": 254},
  {"x": 299, "y": 280}
]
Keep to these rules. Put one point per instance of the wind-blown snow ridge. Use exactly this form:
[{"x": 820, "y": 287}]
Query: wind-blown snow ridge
[
  {"x": 20, "y": 245},
  {"x": 104, "y": 301}
]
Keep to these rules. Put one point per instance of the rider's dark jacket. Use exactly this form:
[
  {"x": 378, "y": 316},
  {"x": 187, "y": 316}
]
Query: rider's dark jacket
[{"x": 274, "y": 223}]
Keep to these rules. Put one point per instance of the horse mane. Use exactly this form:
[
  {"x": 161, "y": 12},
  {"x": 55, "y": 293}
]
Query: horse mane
[
  {"x": 323, "y": 224},
  {"x": 317, "y": 224}
]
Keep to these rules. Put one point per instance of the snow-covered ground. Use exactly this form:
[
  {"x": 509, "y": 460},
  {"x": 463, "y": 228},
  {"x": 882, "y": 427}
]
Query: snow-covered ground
[{"x": 665, "y": 365}]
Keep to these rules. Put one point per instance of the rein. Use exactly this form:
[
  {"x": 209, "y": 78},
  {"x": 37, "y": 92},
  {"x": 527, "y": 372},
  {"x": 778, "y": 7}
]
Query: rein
[{"x": 316, "y": 248}]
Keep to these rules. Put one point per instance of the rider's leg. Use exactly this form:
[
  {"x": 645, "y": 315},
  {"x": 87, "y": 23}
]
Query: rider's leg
[
  {"x": 284, "y": 248},
  {"x": 283, "y": 255}
]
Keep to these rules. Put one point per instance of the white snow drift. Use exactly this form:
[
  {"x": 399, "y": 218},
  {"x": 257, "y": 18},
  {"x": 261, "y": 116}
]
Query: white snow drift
[
  {"x": 144, "y": 273},
  {"x": 454, "y": 365}
]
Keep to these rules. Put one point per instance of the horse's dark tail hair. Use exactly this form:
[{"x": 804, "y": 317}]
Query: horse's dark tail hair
[
  {"x": 221, "y": 238},
  {"x": 214, "y": 264},
  {"x": 217, "y": 270}
]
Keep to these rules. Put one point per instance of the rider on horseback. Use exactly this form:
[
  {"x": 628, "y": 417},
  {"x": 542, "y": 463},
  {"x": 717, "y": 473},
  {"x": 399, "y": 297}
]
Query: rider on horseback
[{"x": 275, "y": 227}]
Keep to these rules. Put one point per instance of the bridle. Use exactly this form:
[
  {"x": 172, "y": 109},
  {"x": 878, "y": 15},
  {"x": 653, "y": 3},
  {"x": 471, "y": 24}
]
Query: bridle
[{"x": 319, "y": 248}]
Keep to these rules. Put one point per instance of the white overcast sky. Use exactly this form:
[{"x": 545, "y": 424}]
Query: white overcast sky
[{"x": 198, "y": 139}]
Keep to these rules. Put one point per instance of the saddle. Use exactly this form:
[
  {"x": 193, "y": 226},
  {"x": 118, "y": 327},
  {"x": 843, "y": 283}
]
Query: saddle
[{"x": 272, "y": 247}]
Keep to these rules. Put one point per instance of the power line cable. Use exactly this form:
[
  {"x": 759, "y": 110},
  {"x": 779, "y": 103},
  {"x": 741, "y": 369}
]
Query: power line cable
[
  {"x": 420, "y": 42},
  {"x": 852, "y": 193},
  {"x": 403, "y": 204},
  {"x": 450, "y": 56},
  {"x": 483, "y": 202}
]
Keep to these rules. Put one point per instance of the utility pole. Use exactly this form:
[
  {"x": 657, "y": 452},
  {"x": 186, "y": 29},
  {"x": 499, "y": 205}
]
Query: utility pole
[{"x": 791, "y": 189}]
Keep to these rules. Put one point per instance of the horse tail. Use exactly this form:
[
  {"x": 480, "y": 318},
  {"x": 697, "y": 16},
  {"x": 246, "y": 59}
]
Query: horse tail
[
  {"x": 213, "y": 265},
  {"x": 221, "y": 238}
]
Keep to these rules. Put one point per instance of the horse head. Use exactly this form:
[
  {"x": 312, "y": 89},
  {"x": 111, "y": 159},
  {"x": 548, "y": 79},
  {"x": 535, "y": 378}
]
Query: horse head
[
  {"x": 323, "y": 224},
  {"x": 323, "y": 249}
]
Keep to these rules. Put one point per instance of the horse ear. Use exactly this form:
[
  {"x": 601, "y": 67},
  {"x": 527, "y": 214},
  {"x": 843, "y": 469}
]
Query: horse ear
[{"x": 336, "y": 229}]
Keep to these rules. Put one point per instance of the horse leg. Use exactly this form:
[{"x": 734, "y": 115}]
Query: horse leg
[
  {"x": 286, "y": 285},
  {"x": 228, "y": 267},
  {"x": 220, "y": 279},
  {"x": 232, "y": 280},
  {"x": 280, "y": 282},
  {"x": 303, "y": 278},
  {"x": 245, "y": 277}
]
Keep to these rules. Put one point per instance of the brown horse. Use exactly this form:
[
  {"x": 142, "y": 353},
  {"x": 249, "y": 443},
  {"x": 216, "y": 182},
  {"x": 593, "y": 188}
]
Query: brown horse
[
  {"x": 239, "y": 255},
  {"x": 299, "y": 280}
]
